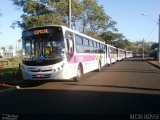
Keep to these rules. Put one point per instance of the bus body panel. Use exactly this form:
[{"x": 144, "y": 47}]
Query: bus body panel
[
  {"x": 121, "y": 54},
  {"x": 129, "y": 54},
  {"x": 112, "y": 54},
  {"x": 89, "y": 62},
  {"x": 107, "y": 55}
]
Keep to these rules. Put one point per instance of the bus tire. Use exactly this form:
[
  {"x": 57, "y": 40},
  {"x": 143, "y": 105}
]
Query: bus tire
[{"x": 79, "y": 73}]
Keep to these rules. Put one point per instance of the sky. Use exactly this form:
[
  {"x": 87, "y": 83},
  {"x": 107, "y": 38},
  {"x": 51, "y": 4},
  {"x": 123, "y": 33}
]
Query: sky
[
  {"x": 129, "y": 18},
  {"x": 127, "y": 13}
]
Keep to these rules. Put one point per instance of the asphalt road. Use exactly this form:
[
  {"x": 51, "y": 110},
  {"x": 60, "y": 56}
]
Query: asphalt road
[{"x": 130, "y": 87}]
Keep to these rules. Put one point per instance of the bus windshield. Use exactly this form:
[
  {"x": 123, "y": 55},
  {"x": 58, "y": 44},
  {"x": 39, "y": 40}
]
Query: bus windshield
[{"x": 43, "y": 47}]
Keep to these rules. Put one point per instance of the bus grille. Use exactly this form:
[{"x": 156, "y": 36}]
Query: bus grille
[{"x": 38, "y": 70}]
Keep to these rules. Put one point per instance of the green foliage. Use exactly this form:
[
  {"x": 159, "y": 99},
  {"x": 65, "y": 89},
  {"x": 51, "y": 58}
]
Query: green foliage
[
  {"x": 109, "y": 37},
  {"x": 142, "y": 46},
  {"x": 94, "y": 18},
  {"x": 86, "y": 14},
  {"x": 10, "y": 75},
  {"x": 94, "y": 35},
  {"x": 12, "y": 72},
  {"x": 124, "y": 44},
  {"x": 154, "y": 46},
  {"x": 129, "y": 46},
  {"x": 44, "y": 12},
  {"x": 89, "y": 17}
]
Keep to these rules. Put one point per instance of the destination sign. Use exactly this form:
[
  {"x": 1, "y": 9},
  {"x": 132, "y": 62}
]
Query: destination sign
[{"x": 43, "y": 31}]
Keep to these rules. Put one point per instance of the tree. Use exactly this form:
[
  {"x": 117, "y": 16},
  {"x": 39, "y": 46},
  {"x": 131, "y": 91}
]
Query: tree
[
  {"x": 10, "y": 47},
  {"x": 110, "y": 36},
  {"x": 94, "y": 18},
  {"x": 94, "y": 34},
  {"x": 87, "y": 15},
  {"x": 142, "y": 47},
  {"x": 154, "y": 46},
  {"x": 119, "y": 44},
  {"x": 0, "y": 15},
  {"x": 44, "y": 12},
  {"x": 130, "y": 46},
  {"x": 154, "y": 51}
]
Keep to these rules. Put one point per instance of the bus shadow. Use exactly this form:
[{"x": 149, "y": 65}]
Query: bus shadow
[
  {"x": 111, "y": 69},
  {"x": 30, "y": 83},
  {"x": 115, "y": 86},
  {"x": 130, "y": 70},
  {"x": 36, "y": 83}
]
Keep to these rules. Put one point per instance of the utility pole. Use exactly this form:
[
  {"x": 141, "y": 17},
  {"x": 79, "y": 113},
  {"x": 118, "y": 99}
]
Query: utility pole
[
  {"x": 69, "y": 16},
  {"x": 159, "y": 42},
  {"x": 158, "y": 35},
  {"x": 143, "y": 48}
]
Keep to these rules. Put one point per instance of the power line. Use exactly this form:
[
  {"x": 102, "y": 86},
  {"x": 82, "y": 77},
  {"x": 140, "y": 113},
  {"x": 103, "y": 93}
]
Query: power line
[{"x": 153, "y": 29}]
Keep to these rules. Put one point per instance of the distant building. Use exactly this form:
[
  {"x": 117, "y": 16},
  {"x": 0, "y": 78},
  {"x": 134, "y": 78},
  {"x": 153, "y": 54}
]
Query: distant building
[
  {"x": 7, "y": 53},
  {"x": 1, "y": 53}
]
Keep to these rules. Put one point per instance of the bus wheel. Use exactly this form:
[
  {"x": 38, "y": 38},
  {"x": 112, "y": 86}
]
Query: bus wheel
[{"x": 79, "y": 74}]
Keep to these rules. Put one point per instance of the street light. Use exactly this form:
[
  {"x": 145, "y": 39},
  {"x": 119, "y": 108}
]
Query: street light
[
  {"x": 69, "y": 16},
  {"x": 158, "y": 35},
  {"x": 159, "y": 42},
  {"x": 149, "y": 17}
]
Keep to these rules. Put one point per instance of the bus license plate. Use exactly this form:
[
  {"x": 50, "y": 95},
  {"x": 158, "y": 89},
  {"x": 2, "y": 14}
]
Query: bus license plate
[{"x": 40, "y": 75}]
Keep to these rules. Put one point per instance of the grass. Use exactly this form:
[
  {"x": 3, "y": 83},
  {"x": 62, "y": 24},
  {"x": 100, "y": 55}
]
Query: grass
[{"x": 11, "y": 74}]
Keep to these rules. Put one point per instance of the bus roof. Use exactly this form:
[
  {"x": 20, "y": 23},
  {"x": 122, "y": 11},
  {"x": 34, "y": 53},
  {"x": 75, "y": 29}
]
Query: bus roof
[{"x": 64, "y": 27}]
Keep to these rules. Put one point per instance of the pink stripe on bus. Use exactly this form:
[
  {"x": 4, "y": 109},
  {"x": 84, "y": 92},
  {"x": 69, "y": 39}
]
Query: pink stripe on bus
[{"x": 82, "y": 58}]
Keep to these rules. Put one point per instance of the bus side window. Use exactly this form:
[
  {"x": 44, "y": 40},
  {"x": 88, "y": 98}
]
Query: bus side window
[
  {"x": 70, "y": 45},
  {"x": 69, "y": 41},
  {"x": 79, "y": 44}
]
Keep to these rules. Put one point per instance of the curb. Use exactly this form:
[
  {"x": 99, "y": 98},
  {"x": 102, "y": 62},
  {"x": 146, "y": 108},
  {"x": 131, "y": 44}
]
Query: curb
[
  {"x": 6, "y": 88},
  {"x": 153, "y": 65}
]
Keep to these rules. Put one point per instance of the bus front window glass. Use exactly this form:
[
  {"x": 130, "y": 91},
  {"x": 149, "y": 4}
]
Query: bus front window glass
[
  {"x": 27, "y": 49},
  {"x": 53, "y": 49},
  {"x": 50, "y": 46}
]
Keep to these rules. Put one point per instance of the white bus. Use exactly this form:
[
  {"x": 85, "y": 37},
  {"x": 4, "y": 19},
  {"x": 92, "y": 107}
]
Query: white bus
[
  {"x": 129, "y": 54},
  {"x": 111, "y": 54},
  {"x": 121, "y": 54},
  {"x": 57, "y": 52}
]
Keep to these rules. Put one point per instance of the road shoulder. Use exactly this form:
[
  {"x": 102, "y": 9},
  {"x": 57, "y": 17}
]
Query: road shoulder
[
  {"x": 154, "y": 63},
  {"x": 6, "y": 87}
]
